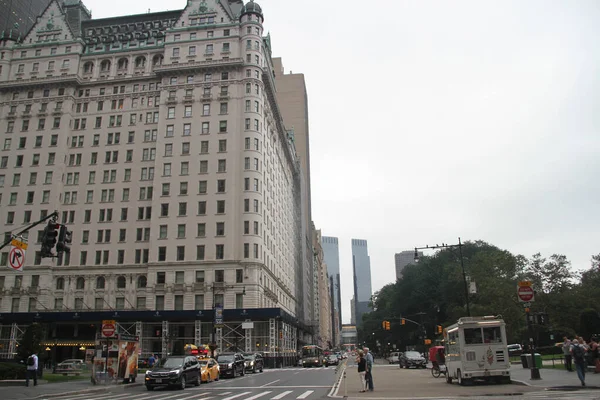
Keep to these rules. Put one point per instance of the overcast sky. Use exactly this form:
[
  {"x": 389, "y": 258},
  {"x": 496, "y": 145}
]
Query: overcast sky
[{"x": 431, "y": 120}]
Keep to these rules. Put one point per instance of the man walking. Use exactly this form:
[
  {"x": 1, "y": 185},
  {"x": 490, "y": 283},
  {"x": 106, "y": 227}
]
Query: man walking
[
  {"x": 369, "y": 371},
  {"x": 566, "y": 347},
  {"x": 32, "y": 369},
  {"x": 578, "y": 352}
]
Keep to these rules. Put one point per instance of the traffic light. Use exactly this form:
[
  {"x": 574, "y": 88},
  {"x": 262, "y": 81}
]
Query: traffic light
[
  {"x": 402, "y": 321},
  {"x": 383, "y": 324},
  {"x": 64, "y": 239},
  {"x": 387, "y": 325},
  {"x": 280, "y": 334},
  {"x": 439, "y": 329},
  {"x": 49, "y": 239}
]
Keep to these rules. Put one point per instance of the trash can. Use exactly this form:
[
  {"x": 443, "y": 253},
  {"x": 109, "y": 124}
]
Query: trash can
[{"x": 526, "y": 360}]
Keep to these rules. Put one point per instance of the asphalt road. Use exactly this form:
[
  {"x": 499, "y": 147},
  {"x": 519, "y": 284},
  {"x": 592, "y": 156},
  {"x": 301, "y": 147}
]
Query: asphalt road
[{"x": 272, "y": 384}]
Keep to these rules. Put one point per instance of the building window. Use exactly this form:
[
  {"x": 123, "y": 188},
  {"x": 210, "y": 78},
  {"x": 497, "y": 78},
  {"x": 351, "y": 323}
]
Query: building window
[
  {"x": 178, "y": 302},
  {"x": 199, "y": 302},
  {"x": 239, "y": 300}
]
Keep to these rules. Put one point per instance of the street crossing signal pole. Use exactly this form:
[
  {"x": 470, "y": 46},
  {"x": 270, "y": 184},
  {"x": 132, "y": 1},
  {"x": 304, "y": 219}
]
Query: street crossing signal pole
[{"x": 535, "y": 372}]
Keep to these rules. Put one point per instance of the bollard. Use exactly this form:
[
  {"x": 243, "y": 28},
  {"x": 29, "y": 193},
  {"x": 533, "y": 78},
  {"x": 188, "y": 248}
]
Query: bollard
[{"x": 345, "y": 388}]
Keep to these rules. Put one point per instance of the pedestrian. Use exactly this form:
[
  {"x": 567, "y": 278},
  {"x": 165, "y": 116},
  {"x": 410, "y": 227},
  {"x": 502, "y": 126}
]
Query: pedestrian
[
  {"x": 369, "y": 370},
  {"x": 362, "y": 367},
  {"x": 32, "y": 369},
  {"x": 151, "y": 361},
  {"x": 594, "y": 354},
  {"x": 578, "y": 351},
  {"x": 566, "y": 347}
]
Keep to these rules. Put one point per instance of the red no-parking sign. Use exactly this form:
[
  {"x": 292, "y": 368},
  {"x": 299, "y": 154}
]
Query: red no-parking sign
[{"x": 109, "y": 328}]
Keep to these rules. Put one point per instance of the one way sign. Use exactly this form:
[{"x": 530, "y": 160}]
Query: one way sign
[{"x": 16, "y": 255}]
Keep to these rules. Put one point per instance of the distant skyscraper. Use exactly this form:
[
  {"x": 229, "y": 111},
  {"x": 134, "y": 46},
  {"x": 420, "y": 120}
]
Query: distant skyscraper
[
  {"x": 361, "y": 264},
  {"x": 403, "y": 259},
  {"x": 331, "y": 253},
  {"x": 18, "y": 16}
]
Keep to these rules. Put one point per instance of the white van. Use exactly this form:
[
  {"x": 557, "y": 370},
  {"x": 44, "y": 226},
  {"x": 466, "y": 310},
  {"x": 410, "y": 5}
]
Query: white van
[
  {"x": 394, "y": 357},
  {"x": 476, "y": 348}
]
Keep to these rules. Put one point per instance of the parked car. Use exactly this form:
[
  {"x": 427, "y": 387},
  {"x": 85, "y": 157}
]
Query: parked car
[
  {"x": 174, "y": 371},
  {"x": 516, "y": 349},
  {"x": 412, "y": 359},
  {"x": 331, "y": 360},
  {"x": 71, "y": 366},
  {"x": 394, "y": 357},
  {"x": 231, "y": 364},
  {"x": 253, "y": 362}
]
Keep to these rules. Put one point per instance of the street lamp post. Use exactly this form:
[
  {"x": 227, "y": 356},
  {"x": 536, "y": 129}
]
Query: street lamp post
[{"x": 462, "y": 265}]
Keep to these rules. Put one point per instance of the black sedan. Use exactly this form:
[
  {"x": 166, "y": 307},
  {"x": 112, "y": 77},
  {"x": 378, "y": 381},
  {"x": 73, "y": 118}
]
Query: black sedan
[
  {"x": 412, "y": 359},
  {"x": 178, "y": 371},
  {"x": 253, "y": 363}
]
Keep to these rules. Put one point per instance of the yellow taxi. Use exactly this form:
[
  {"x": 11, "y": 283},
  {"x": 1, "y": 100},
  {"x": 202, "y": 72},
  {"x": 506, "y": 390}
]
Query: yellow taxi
[{"x": 209, "y": 368}]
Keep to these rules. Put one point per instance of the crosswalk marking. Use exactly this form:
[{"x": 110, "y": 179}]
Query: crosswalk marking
[
  {"x": 236, "y": 396},
  {"x": 305, "y": 394},
  {"x": 256, "y": 396},
  {"x": 281, "y": 395}
]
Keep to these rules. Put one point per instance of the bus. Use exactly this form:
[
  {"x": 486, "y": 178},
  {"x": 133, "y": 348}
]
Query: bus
[
  {"x": 476, "y": 348},
  {"x": 312, "y": 356}
]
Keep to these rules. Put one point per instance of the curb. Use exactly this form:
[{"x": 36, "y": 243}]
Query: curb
[{"x": 336, "y": 386}]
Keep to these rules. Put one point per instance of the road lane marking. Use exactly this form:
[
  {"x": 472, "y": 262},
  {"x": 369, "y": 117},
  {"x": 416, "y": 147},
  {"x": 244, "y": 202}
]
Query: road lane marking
[
  {"x": 256, "y": 396},
  {"x": 281, "y": 395},
  {"x": 236, "y": 396},
  {"x": 194, "y": 396},
  {"x": 270, "y": 383},
  {"x": 224, "y": 394},
  {"x": 305, "y": 394}
]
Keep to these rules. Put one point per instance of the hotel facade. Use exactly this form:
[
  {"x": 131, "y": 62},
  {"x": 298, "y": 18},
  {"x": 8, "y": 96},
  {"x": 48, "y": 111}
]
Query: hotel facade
[{"x": 159, "y": 141}]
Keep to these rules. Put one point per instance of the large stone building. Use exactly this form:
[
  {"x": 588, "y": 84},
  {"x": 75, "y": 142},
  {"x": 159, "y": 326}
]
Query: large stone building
[{"x": 159, "y": 140}]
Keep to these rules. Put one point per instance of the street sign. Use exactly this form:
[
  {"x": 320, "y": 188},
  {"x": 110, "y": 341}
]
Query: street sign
[
  {"x": 526, "y": 294},
  {"x": 525, "y": 284},
  {"x": 16, "y": 255},
  {"x": 109, "y": 328}
]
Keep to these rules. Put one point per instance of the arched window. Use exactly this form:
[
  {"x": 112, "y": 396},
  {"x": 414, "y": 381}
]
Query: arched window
[
  {"x": 157, "y": 60},
  {"x": 121, "y": 282},
  {"x": 123, "y": 63},
  {"x": 100, "y": 282},
  {"x": 140, "y": 62},
  {"x": 88, "y": 67},
  {"x": 60, "y": 283},
  {"x": 105, "y": 66},
  {"x": 80, "y": 283},
  {"x": 142, "y": 282}
]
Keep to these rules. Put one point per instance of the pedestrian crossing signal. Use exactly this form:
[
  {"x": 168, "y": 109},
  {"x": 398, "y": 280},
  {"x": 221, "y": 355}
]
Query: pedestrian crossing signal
[
  {"x": 387, "y": 325},
  {"x": 439, "y": 329},
  {"x": 402, "y": 321}
]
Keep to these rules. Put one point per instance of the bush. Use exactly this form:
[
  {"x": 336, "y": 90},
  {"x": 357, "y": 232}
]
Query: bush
[{"x": 12, "y": 371}]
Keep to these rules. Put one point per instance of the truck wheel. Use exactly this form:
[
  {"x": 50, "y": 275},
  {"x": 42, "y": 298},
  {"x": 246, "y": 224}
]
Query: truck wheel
[
  {"x": 461, "y": 381},
  {"x": 448, "y": 378}
]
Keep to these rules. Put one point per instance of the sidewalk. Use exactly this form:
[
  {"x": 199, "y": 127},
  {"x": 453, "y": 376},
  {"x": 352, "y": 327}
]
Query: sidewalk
[
  {"x": 50, "y": 390},
  {"x": 391, "y": 382}
]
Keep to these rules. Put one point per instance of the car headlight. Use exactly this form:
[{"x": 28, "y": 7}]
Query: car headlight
[
  {"x": 147, "y": 372},
  {"x": 230, "y": 365},
  {"x": 252, "y": 363},
  {"x": 175, "y": 372}
]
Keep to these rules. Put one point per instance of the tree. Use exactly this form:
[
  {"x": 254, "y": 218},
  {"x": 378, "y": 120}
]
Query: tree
[
  {"x": 31, "y": 342},
  {"x": 589, "y": 323}
]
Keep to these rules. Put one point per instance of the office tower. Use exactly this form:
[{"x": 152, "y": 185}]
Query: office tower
[
  {"x": 158, "y": 139},
  {"x": 361, "y": 265},
  {"x": 331, "y": 253},
  {"x": 402, "y": 259},
  {"x": 17, "y": 17}
]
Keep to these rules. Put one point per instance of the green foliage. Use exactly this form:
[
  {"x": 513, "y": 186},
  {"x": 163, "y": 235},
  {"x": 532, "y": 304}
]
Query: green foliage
[
  {"x": 432, "y": 292},
  {"x": 31, "y": 342},
  {"x": 12, "y": 371}
]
